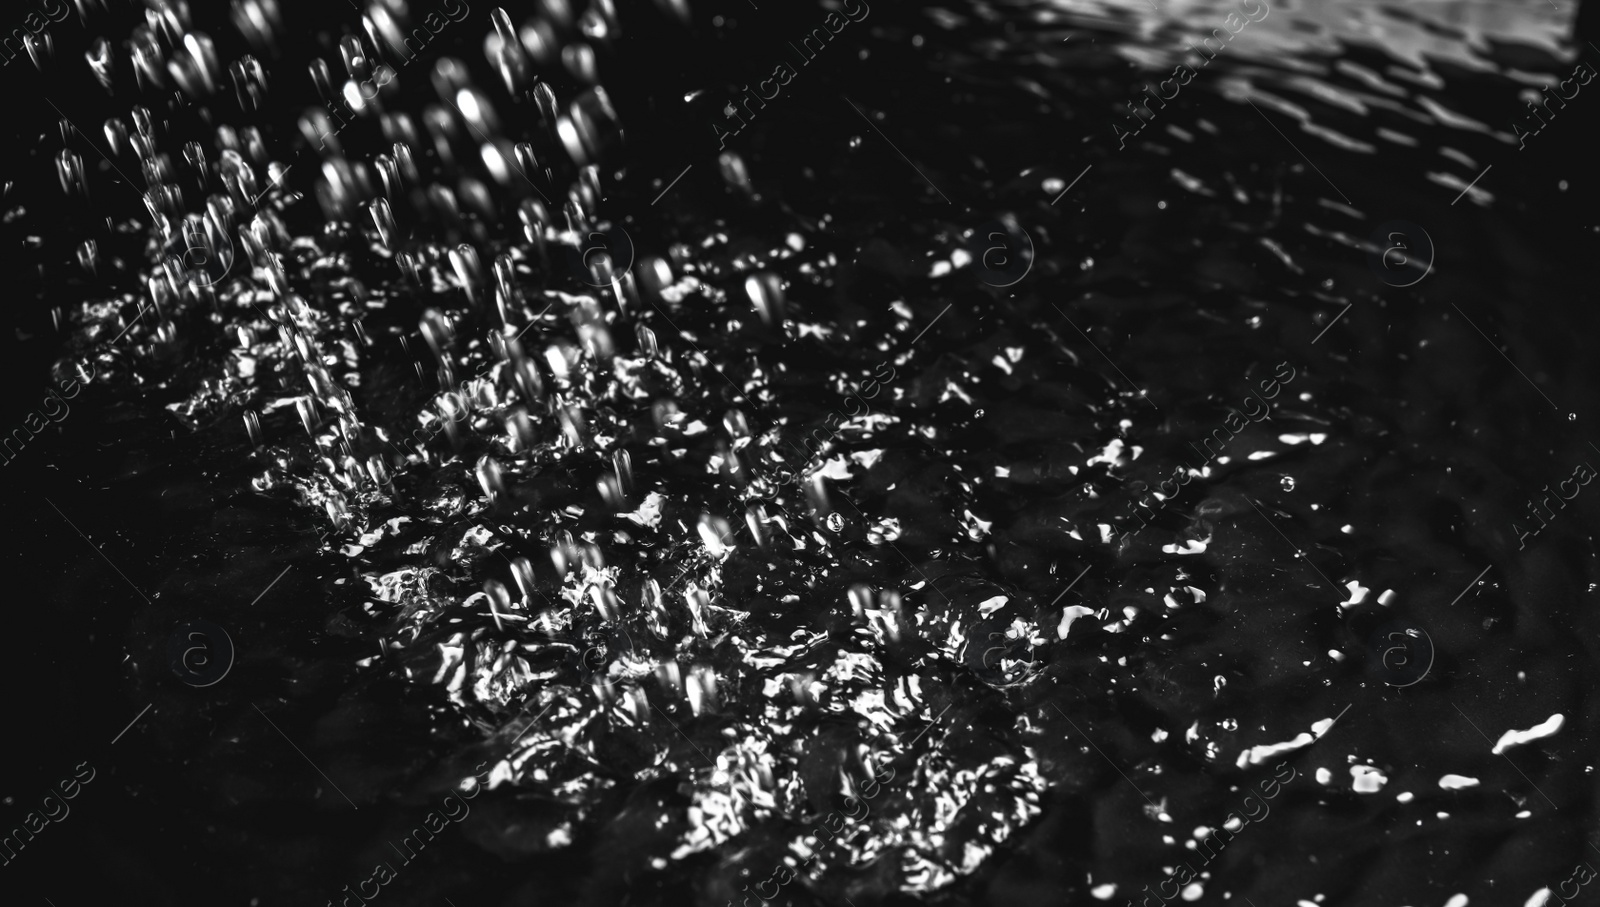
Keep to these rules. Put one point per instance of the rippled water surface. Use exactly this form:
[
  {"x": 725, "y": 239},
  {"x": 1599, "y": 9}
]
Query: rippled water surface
[{"x": 983, "y": 471}]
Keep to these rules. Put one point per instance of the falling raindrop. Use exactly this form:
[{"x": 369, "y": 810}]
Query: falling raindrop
[
  {"x": 715, "y": 533},
  {"x": 766, "y": 296},
  {"x": 491, "y": 477},
  {"x": 861, "y": 599}
]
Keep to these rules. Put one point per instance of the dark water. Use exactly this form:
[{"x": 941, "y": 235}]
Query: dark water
[{"x": 812, "y": 495}]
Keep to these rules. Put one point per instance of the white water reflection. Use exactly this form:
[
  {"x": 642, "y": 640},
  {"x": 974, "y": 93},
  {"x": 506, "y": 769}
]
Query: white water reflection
[{"x": 1415, "y": 33}]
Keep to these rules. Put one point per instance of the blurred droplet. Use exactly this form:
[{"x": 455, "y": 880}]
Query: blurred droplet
[
  {"x": 653, "y": 604},
  {"x": 622, "y": 465},
  {"x": 102, "y": 62},
  {"x": 735, "y": 174},
  {"x": 522, "y": 572},
  {"x": 491, "y": 477},
  {"x": 861, "y": 599},
  {"x": 765, "y": 292},
  {"x": 69, "y": 169},
  {"x": 756, "y": 519},
  {"x": 563, "y": 553},
  {"x": 499, "y": 600},
  {"x": 715, "y": 534},
  {"x": 89, "y": 257},
  {"x": 647, "y": 341},
  {"x": 701, "y": 689},
  {"x": 41, "y": 48}
]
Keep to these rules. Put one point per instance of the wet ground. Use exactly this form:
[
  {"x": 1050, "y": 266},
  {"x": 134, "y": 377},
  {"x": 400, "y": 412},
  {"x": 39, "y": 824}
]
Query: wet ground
[{"x": 1033, "y": 457}]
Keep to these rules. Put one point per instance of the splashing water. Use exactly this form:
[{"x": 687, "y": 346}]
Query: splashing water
[{"x": 712, "y": 494}]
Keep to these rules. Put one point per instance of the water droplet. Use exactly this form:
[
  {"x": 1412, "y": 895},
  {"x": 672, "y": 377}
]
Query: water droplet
[
  {"x": 702, "y": 689},
  {"x": 670, "y": 677},
  {"x": 766, "y": 296},
  {"x": 490, "y": 477},
  {"x": 69, "y": 168},
  {"x": 499, "y": 599},
  {"x": 308, "y": 414},
  {"x": 835, "y": 522},
  {"x": 698, "y": 601},
  {"x": 716, "y": 534},
  {"x": 102, "y": 61},
  {"x": 606, "y": 601},
  {"x": 40, "y": 48},
  {"x": 1287, "y": 483},
  {"x": 860, "y": 599},
  {"x": 383, "y": 219},
  {"x": 89, "y": 256},
  {"x": 755, "y": 518},
  {"x": 563, "y": 553},
  {"x": 735, "y": 173},
  {"x": 610, "y": 488}
]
